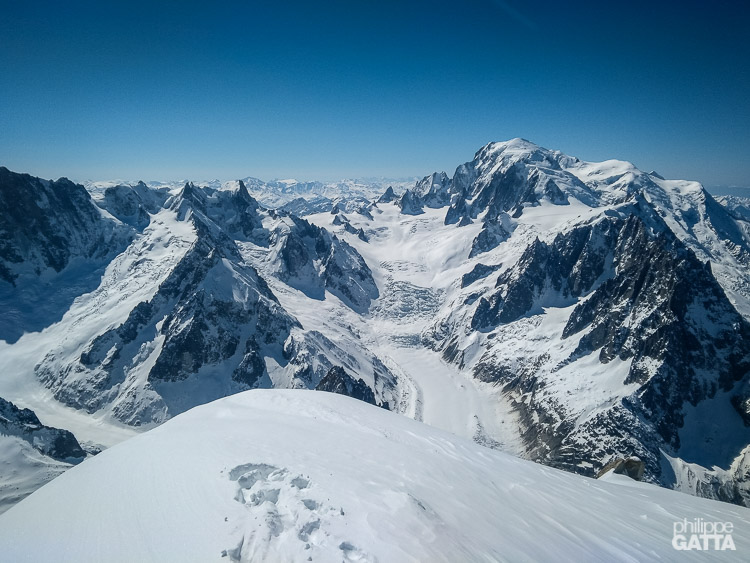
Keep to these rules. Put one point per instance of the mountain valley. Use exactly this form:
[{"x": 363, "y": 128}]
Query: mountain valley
[{"x": 569, "y": 313}]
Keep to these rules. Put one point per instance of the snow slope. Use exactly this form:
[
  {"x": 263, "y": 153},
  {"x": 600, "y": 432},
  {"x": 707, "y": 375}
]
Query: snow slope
[
  {"x": 301, "y": 475},
  {"x": 23, "y": 470}
]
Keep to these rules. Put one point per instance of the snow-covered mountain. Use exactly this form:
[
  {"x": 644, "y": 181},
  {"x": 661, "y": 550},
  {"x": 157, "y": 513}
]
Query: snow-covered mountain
[
  {"x": 298, "y": 197},
  {"x": 53, "y": 244},
  {"x": 739, "y": 207},
  {"x": 610, "y": 305},
  {"x": 31, "y": 454},
  {"x": 571, "y": 313},
  {"x": 183, "y": 317},
  {"x": 303, "y": 476},
  {"x": 291, "y": 194}
]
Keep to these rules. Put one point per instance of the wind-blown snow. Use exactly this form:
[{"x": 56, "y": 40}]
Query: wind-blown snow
[{"x": 292, "y": 475}]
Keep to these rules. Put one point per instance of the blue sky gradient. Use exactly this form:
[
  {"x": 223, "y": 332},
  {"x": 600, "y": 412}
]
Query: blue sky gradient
[{"x": 333, "y": 89}]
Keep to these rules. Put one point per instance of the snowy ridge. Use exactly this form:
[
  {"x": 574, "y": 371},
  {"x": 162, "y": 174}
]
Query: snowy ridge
[
  {"x": 351, "y": 483},
  {"x": 31, "y": 454}
]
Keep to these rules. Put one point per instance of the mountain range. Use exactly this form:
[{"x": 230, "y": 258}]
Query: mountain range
[{"x": 575, "y": 314}]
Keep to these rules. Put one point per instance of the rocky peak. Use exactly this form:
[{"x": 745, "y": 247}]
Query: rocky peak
[
  {"x": 410, "y": 203},
  {"x": 47, "y": 230},
  {"x": 48, "y": 223},
  {"x": 313, "y": 260},
  {"x": 648, "y": 301},
  {"x": 128, "y": 204},
  {"x": 337, "y": 380},
  {"x": 434, "y": 190},
  {"x": 388, "y": 196},
  {"x": 53, "y": 442}
]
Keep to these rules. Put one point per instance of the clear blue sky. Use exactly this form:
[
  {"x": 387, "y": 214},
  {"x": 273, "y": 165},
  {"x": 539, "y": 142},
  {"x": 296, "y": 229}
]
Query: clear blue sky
[{"x": 331, "y": 89}]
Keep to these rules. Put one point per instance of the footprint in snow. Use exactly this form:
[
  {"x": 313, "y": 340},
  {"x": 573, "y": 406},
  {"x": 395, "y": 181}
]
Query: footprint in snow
[{"x": 281, "y": 511}]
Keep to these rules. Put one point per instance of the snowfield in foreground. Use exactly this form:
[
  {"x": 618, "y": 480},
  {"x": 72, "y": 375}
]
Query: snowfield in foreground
[{"x": 280, "y": 475}]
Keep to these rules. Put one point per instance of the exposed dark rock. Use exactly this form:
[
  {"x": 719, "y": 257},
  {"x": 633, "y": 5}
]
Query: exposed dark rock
[
  {"x": 554, "y": 193},
  {"x": 45, "y": 227},
  {"x": 632, "y": 467},
  {"x": 569, "y": 266},
  {"x": 338, "y": 381},
  {"x": 133, "y": 204},
  {"x": 252, "y": 367},
  {"x": 196, "y": 315},
  {"x": 491, "y": 236},
  {"x": 349, "y": 228},
  {"x": 651, "y": 301},
  {"x": 313, "y": 261},
  {"x": 741, "y": 402},
  {"x": 53, "y": 442},
  {"x": 124, "y": 203},
  {"x": 365, "y": 212},
  {"x": 301, "y": 206},
  {"x": 458, "y": 213},
  {"x": 477, "y": 273},
  {"x": 410, "y": 203},
  {"x": 388, "y": 196},
  {"x": 434, "y": 190},
  {"x": 33, "y": 237}
]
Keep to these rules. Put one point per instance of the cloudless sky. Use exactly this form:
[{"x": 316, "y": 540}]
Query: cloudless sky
[{"x": 333, "y": 89}]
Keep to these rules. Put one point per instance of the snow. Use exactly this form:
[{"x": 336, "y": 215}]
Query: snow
[
  {"x": 713, "y": 432},
  {"x": 292, "y": 475},
  {"x": 446, "y": 398},
  {"x": 23, "y": 470},
  {"x": 132, "y": 277},
  {"x": 417, "y": 263},
  {"x": 414, "y": 261},
  {"x": 690, "y": 213}
]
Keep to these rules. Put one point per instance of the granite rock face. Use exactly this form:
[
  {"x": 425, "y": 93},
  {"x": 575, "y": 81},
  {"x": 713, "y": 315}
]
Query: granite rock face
[
  {"x": 411, "y": 203},
  {"x": 54, "y": 245},
  {"x": 388, "y": 196},
  {"x": 46, "y": 224},
  {"x": 650, "y": 303},
  {"x": 52, "y": 442},
  {"x": 313, "y": 260},
  {"x": 337, "y": 380}
]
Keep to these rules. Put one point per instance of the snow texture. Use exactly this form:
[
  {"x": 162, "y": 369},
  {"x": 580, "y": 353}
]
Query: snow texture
[{"x": 300, "y": 475}]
